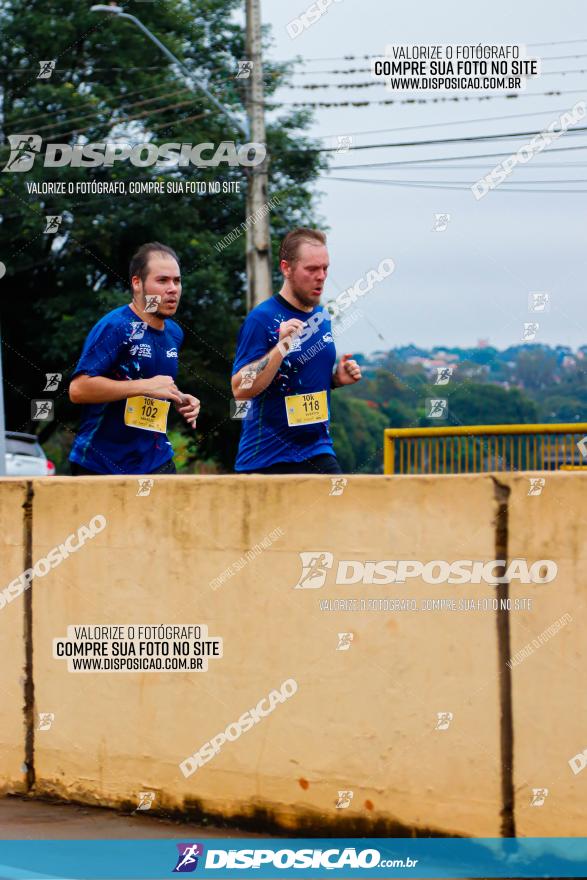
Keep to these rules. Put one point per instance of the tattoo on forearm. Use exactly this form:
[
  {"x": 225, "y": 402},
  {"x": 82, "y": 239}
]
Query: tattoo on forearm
[{"x": 251, "y": 372}]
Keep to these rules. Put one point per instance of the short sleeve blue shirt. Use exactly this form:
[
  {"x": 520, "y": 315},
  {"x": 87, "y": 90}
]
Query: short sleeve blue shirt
[
  {"x": 266, "y": 436},
  {"x": 121, "y": 346}
]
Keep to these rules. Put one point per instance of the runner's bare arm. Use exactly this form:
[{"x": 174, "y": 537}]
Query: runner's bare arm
[
  {"x": 255, "y": 377},
  {"x": 258, "y": 375},
  {"x": 99, "y": 389}
]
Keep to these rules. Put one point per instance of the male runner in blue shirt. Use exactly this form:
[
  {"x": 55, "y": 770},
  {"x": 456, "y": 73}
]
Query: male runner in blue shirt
[
  {"x": 284, "y": 366},
  {"x": 126, "y": 376}
]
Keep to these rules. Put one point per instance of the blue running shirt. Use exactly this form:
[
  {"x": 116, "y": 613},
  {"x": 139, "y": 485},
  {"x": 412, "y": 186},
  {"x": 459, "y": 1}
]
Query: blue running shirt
[
  {"x": 266, "y": 436},
  {"x": 121, "y": 346}
]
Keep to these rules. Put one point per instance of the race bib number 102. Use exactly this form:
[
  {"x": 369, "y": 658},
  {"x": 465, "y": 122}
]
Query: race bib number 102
[{"x": 146, "y": 413}]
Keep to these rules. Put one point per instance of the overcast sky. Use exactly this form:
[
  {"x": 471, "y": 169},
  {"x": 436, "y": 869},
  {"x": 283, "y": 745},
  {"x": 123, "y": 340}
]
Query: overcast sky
[{"x": 471, "y": 281}]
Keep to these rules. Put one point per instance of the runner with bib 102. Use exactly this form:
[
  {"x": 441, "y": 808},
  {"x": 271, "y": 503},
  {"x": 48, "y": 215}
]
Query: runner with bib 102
[{"x": 126, "y": 376}]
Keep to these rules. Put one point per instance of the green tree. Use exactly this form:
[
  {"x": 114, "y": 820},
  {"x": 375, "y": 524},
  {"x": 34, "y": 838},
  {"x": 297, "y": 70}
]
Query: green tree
[
  {"x": 535, "y": 369},
  {"x": 562, "y": 408},
  {"x": 357, "y": 432},
  {"x": 396, "y": 388},
  {"x": 111, "y": 82},
  {"x": 474, "y": 403}
]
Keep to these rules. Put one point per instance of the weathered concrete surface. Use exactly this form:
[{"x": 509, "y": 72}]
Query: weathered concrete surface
[
  {"x": 12, "y": 656},
  {"x": 362, "y": 719},
  {"x": 550, "y": 706}
]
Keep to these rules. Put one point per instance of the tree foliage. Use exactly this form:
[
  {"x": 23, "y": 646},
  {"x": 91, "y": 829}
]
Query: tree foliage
[{"x": 111, "y": 82}]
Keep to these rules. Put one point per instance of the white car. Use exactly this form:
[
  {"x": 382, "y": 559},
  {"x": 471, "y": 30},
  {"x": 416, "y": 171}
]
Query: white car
[{"x": 25, "y": 457}]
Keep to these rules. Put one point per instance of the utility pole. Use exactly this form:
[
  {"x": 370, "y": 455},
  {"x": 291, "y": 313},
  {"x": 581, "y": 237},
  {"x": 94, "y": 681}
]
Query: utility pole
[{"x": 259, "y": 286}]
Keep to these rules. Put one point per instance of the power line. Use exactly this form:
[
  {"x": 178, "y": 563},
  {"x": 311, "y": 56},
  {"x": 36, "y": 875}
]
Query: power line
[
  {"x": 467, "y": 183},
  {"x": 97, "y": 111},
  {"x": 345, "y": 72},
  {"x": 452, "y": 122},
  {"x": 562, "y": 57},
  {"x": 106, "y": 110},
  {"x": 30, "y": 71},
  {"x": 433, "y": 142},
  {"x": 93, "y": 104},
  {"x": 450, "y": 159},
  {"x": 561, "y": 72},
  {"x": 451, "y": 187},
  {"x": 303, "y": 59},
  {"x": 558, "y": 42},
  {"x": 352, "y": 70},
  {"x": 398, "y": 166},
  {"x": 178, "y": 121},
  {"x": 378, "y": 83},
  {"x": 441, "y": 100},
  {"x": 151, "y": 112},
  {"x": 357, "y": 85},
  {"x": 270, "y": 74}
]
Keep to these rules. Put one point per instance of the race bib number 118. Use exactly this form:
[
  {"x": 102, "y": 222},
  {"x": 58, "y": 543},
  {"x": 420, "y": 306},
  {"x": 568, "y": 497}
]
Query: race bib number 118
[{"x": 306, "y": 409}]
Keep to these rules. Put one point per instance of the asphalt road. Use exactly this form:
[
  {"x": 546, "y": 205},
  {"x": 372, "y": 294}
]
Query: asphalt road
[{"x": 23, "y": 819}]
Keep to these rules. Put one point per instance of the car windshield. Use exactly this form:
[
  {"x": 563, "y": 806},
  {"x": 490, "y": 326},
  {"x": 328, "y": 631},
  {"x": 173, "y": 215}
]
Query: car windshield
[{"x": 18, "y": 446}]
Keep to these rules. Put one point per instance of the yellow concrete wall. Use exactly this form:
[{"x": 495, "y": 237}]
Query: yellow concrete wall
[
  {"x": 549, "y": 692},
  {"x": 362, "y": 719},
  {"x": 12, "y": 657}
]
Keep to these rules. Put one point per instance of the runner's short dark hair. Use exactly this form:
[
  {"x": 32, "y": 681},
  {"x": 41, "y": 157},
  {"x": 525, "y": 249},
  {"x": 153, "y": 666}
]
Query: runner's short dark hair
[
  {"x": 292, "y": 241},
  {"x": 139, "y": 264}
]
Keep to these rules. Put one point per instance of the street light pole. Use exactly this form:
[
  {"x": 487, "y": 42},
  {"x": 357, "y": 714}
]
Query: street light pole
[
  {"x": 117, "y": 10},
  {"x": 258, "y": 235}
]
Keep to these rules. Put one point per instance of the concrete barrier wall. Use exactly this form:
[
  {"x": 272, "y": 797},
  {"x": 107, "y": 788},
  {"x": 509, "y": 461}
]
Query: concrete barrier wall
[
  {"x": 550, "y": 706},
  {"x": 12, "y": 656},
  {"x": 363, "y": 719}
]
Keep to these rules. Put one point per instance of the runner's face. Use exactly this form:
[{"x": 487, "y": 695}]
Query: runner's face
[
  {"x": 164, "y": 280},
  {"x": 308, "y": 274}
]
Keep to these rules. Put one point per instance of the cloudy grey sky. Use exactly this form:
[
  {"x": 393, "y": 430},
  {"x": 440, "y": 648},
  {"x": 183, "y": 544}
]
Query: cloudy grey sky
[{"x": 471, "y": 281}]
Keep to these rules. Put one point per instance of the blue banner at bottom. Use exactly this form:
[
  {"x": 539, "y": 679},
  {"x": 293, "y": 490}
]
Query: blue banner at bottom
[{"x": 292, "y": 857}]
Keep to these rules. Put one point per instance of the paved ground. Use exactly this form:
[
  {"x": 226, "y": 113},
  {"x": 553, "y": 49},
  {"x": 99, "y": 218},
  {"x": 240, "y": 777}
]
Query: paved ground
[{"x": 23, "y": 819}]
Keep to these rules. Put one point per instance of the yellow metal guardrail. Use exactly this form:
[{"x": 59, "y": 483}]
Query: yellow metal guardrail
[{"x": 481, "y": 448}]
